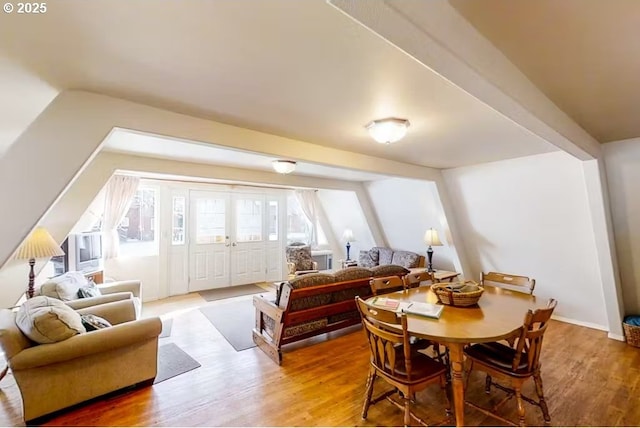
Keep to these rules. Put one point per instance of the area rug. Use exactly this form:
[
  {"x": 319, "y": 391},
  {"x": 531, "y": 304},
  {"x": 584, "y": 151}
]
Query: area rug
[
  {"x": 227, "y": 292},
  {"x": 235, "y": 321},
  {"x": 173, "y": 361},
  {"x": 166, "y": 328}
]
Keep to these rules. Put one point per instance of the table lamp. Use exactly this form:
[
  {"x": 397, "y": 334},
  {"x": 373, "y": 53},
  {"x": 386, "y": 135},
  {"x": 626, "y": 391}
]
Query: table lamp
[
  {"x": 39, "y": 244},
  {"x": 431, "y": 239},
  {"x": 348, "y": 236}
]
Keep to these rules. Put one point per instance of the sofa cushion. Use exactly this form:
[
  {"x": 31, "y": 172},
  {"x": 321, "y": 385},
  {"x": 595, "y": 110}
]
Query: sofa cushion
[
  {"x": 47, "y": 320},
  {"x": 389, "y": 270},
  {"x": 65, "y": 286},
  {"x": 311, "y": 280},
  {"x": 365, "y": 259},
  {"x": 350, "y": 273},
  {"x": 408, "y": 259},
  {"x": 386, "y": 255},
  {"x": 300, "y": 256},
  {"x": 304, "y": 327},
  {"x": 374, "y": 253}
]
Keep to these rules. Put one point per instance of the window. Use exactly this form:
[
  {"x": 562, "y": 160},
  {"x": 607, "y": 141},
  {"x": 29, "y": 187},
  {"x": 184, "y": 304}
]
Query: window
[
  {"x": 137, "y": 230},
  {"x": 299, "y": 227},
  {"x": 177, "y": 221},
  {"x": 272, "y": 220},
  {"x": 211, "y": 221},
  {"x": 249, "y": 218}
]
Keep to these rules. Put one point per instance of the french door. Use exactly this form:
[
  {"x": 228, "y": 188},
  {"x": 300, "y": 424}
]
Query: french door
[{"x": 234, "y": 238}]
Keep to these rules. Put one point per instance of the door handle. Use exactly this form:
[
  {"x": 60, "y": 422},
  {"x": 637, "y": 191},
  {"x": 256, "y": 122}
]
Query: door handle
[
  {"x": 226, "y": 241},
  {"x": 234, "y": 244}
]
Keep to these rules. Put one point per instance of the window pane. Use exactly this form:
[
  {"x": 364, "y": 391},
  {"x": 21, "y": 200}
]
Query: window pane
[
  {"x": 248, "y": 220},
  {"x": 272, "y": 220},
  {"x": 210, "y": 221},
  {"x": 137, "y": 229},
  {"x": 177, "y": 222}
]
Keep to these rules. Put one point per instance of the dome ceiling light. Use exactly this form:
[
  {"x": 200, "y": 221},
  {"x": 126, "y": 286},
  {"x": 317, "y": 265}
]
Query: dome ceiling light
[
  {"x": 284, "y": 166},
  {"x": 389, "y": 130}
]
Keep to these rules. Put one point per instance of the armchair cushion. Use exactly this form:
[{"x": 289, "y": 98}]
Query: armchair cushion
[
  {"x": 90, "y": 290},
  {"x": 300, "y": 257},
  {"x": 65, "y": 286},
  {"x": 47, "y": 320}
]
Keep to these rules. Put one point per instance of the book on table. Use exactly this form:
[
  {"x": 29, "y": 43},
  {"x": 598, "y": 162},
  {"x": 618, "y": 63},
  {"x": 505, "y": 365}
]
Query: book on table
[{"x": 415, "y": 308}]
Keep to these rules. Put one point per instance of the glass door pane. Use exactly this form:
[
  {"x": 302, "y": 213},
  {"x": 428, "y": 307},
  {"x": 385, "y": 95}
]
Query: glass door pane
[
  {"x": 177, "y": 221},
  {"x": 272, "y": 220},
  {"x": 210, "y": 221},
  {"x": 248, "y": 220}
]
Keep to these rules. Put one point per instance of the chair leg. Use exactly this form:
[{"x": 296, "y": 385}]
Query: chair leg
[
  {"x": 520, "y": 403},
  {"x": 543, "y": 404},
  {"x": 487, "y": 384},
  {"x": 407, "y": 410},
  {"x": 443, "y": 384},
  {"x": 367, "y": 395}
]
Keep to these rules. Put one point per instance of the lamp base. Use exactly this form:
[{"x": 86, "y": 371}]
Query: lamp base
[
  {"x": 430, "y": 257},
  {"x": 32, "y": 277},
  {"x": 348, "y": 248}
]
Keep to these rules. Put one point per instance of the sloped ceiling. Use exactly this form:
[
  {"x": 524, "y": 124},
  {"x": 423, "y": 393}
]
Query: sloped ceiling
[
  {"x": 583, "y": 54},
  {"x": 296, "y": 69}
]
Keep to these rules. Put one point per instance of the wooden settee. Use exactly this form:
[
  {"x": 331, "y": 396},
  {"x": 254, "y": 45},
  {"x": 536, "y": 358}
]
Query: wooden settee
[{"x": 312, "y": 304}]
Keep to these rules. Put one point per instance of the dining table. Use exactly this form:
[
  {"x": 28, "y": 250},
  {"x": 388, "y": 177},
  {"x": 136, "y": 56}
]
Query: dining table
[{"x": 499, "y": 314}]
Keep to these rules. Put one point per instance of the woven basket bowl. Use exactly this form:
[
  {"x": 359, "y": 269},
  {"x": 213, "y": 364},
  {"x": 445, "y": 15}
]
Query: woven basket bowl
[
  {"x": 632, "y": 333},
  {"x": 448, "y": 297}
]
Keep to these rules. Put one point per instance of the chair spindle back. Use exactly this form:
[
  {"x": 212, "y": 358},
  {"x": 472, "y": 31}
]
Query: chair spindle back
[
  {"x": 530, "y": 339},
  {"x": 386, "y": 284},
  {"x": 414, "y": 279}
]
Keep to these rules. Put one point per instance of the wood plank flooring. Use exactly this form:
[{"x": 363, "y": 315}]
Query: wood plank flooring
[{"x": 589, "y": 380}]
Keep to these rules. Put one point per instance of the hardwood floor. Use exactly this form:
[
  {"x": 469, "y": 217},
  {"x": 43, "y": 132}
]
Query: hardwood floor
[{"x": 589, "y": 380}]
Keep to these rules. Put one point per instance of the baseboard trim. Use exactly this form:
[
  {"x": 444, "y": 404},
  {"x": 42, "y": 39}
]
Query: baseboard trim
[
  {"x": 581, "y": 323},
  {"x": 616, "y": 337}
]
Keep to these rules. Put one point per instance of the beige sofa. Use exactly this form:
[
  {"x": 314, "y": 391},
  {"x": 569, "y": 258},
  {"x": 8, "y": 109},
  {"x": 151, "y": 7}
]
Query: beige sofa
[{"x": 57, "y": 375}]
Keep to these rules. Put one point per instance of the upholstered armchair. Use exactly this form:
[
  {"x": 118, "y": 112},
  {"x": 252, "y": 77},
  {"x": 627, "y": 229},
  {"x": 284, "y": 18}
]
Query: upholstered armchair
[
  {"x": 299, "y": 258},
  {"x": 53, "y": 376}
]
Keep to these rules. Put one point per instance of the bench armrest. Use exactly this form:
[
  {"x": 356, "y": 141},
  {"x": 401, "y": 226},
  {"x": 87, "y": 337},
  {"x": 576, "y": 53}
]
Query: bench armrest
[
  {"x": 268, "y": 308},
  {"x": 78, "y": 346}
]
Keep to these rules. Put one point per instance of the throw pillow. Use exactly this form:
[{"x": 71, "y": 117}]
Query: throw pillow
[
  {"x": 384, "y": 256},
  {"x": 65, "y": 286},
  {"x": 90, "y": 290},
  {"x": 47, "y": 320},
  {"x": 93, "y": 322}
]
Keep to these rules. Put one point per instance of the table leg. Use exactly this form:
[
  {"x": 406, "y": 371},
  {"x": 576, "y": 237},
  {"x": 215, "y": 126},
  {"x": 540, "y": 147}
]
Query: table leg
[{"x": 456, "y": 355}]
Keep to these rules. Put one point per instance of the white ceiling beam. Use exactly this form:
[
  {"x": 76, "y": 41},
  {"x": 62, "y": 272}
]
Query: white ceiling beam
[{"x": 437, "y": 36}]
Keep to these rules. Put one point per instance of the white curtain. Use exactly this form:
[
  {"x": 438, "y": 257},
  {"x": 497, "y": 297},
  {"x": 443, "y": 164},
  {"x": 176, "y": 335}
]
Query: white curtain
[
  {"x": 307, "y": 200},
  {"x": 119, "y": 194}
]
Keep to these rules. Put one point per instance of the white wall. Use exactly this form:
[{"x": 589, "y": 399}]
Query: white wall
[
  {"x": 344, "y": 212},
  {"x": 622, "y": 161},
  {"x": 406, "y": 209},
  {"x": 146, "y": 269},
  {"x": 530, "y": 216}
]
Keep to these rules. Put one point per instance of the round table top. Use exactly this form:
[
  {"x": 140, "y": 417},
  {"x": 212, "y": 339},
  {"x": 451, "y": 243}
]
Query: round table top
[{"x": 498, "y": 314}]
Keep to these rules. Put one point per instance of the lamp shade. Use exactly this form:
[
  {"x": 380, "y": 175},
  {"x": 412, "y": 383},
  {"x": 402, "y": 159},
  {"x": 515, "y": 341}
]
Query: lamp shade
[
  {"x": 347, "y": 235},
  {"x": 389, "y": 130},
  {"x": 431, "y": 238},
  {"x": 39, "y": 244},
  {"x": 284, "y": 166}
]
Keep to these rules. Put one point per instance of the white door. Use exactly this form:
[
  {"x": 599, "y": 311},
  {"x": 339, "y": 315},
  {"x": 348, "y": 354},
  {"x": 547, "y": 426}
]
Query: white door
[
  {"x": 209, "y": 242},
  {"x": 248, "y": 239}
]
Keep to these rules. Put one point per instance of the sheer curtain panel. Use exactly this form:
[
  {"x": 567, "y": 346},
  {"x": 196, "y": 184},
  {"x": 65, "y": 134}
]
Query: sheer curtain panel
[{"x": 118, "y": 197}]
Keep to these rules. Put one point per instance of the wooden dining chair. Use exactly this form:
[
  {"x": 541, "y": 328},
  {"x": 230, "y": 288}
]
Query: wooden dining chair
[
  {"x": 514, "y": 365},
  {"x": 386, "y": 284},
  {"x": 394, "y": 360},
  {"x": 521, "y": 284},
  {"x": 414, "y": 279}
]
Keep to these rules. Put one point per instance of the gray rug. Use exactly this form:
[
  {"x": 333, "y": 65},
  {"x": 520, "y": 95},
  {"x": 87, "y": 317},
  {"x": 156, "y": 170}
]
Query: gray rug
[
  {"x": 235, "y": 321},
  {"x": 166, "y": 328},
  {"x": 173, "y": 361},
  {"x": 227, "y": 292}
]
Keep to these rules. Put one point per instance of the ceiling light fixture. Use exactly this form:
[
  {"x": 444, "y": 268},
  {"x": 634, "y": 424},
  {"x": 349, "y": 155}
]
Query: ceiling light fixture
[
  {"x": 389, "y": 130},
  {"x": 284, "y": 166}
]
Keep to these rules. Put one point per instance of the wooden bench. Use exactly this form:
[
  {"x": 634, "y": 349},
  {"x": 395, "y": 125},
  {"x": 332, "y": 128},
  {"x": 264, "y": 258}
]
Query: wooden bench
[{"x": 304, "y": 309}]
